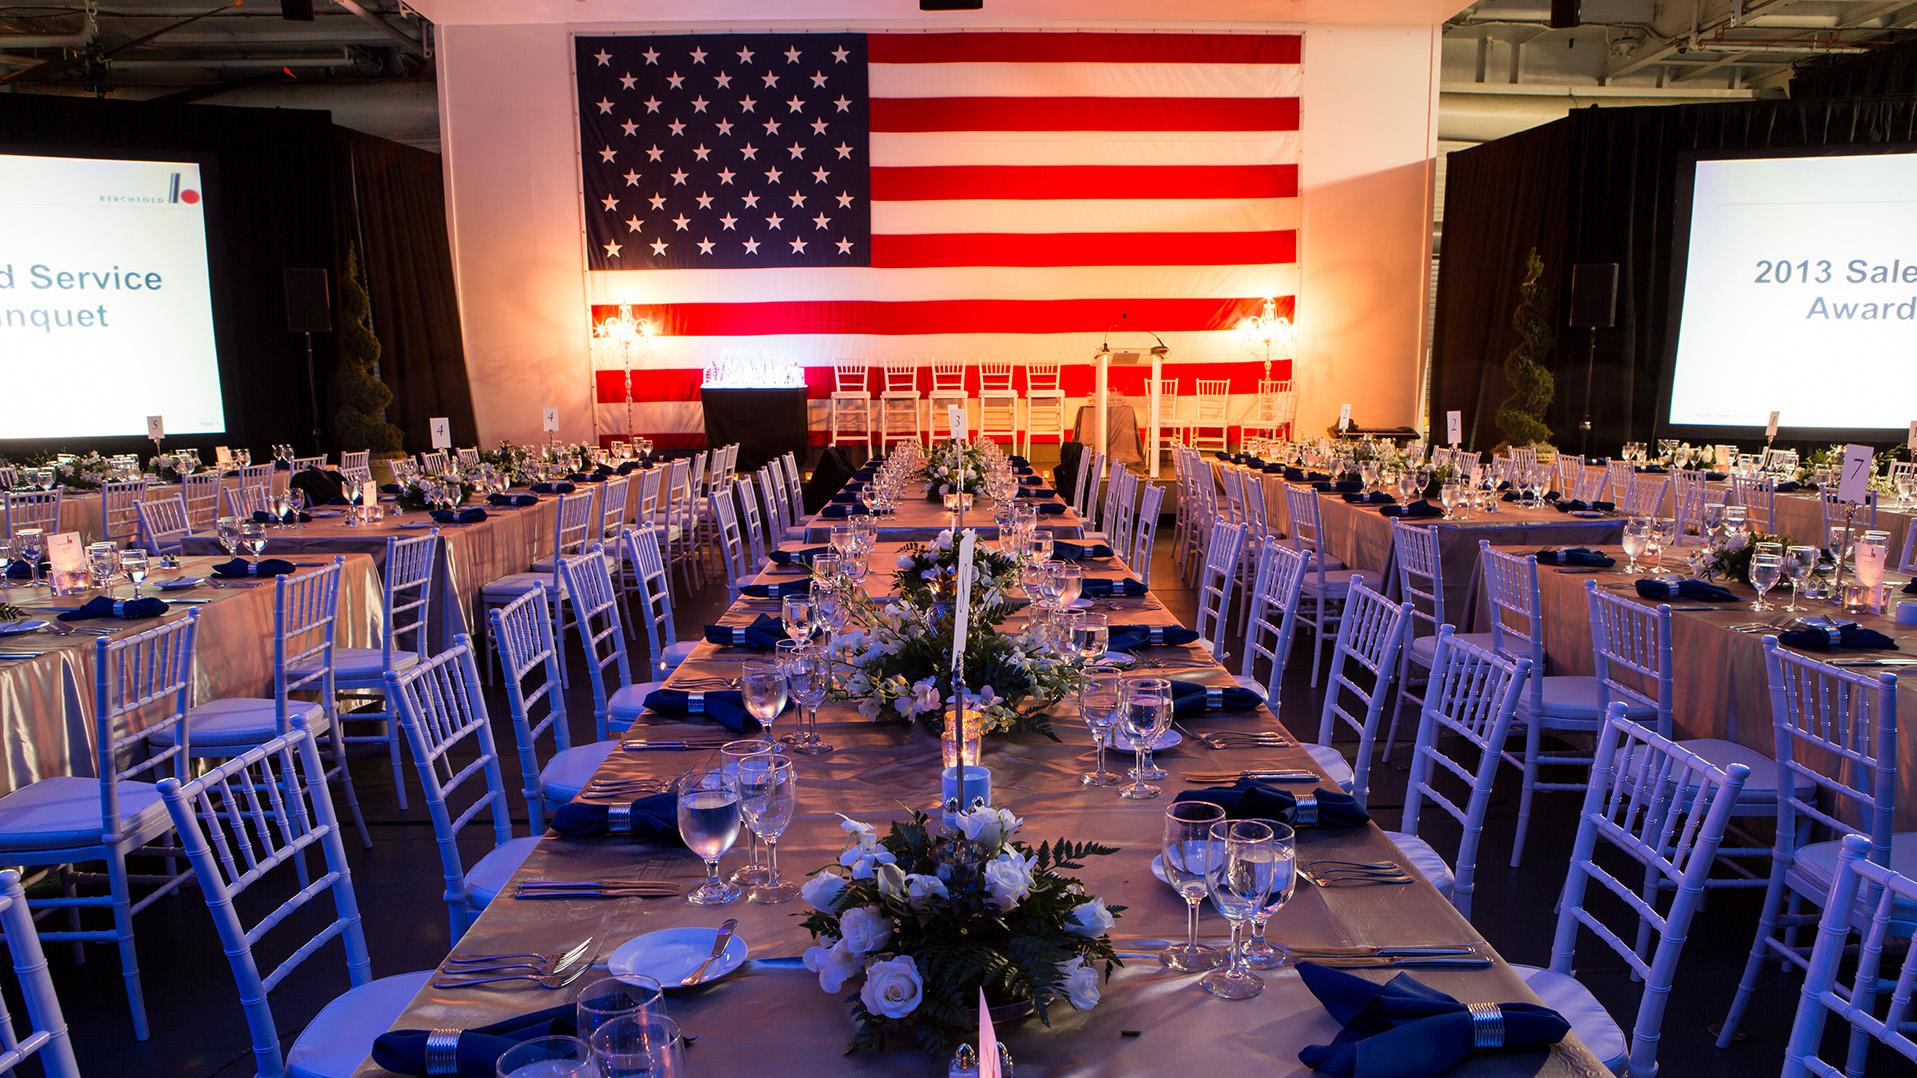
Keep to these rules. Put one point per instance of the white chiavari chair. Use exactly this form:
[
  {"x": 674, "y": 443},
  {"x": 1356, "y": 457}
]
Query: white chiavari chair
[
  {"x": 849, "y": 409},
  {"x": 1210, "y": 424},
  {"x": 1644, "y": 496},
  {"x": 119, "y": 504},
  {"x": 1781, "y": 462},
  {"x": 1274, "y": 619},
  {"x": 1690, "y": 493},
  {"x": 1835, "y": 730},
  {"x": 1758, "y": 495},
  {"x": 1618, "y": 475},
  {"x": 1044, "y": 404},
  {"x": 1257, "y": 509},
  {"x": 899, "y": 414},
  {"x": 1083, "y": 476},
  {"x": 731, "y": 539},
  {"x": 663, "y": 648},
  {"x": 794, "y": 493},
  {"x": 163, "y": 525},
  {"x": 1524, "y": 456},
  {"x": 257, "y": 819},
  {"x": 536, "y": 703},
  {"x": 9, "y": 477},
  {"x": 1085, "y": 500},
  {"x": 611, "y": 515},
  {"x": 46, "y": 1040},
  {"x": 1665, "y": 809},
  {"x": 1420, "y": 578},
  {"x": 142, "y": 690},
  {"x": 1586, "y": 484},
  {"x": 1170, "y": 431},
  {"x": 647, "y": 511},
  {"x": 1232, "y": 479},
  {"x": 677, "y": 537},
  {"x": 467, "y": 457},
  {"x": 1321, "y": 607},
  {"x": 617, "y": 702},
  {"x": 1268, "y": 415},
  {"x": 781, "y": 522},
  {"x": 750, "y": 522},
  {"x": 1872, "y": 900},
  {"x": 31, "y": 509},
  {"x": 1139, "y": 554},
  {"x": 948, "y": 388},
  {"x": 1370, "y": 635},
  {"x": 405, "y": 621},
  {"x": 301, "y": 464},
  {"x": 1463, "y": 722},
  {"x": 1202, "y": 514},
  {"x": 1907, "y": 563},
  {"x": 997, "y": 403},
  {"x": 433, "y": 462},
  {"x": 572, "y": 531},
  {"x": 443, "y": 711},
  {"x": 1833, "y": 512},
  {"x": 202, "y": 492},
  {"x": 360, "y": 459},
  {"x": 1124, "y": 522},
  {"x": 1114, "y": 497},
  {"x": 1215, "y": 581},
  {"x": 243, "y": 501}
]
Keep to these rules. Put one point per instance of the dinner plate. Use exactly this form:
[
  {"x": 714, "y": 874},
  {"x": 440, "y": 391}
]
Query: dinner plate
[
  {"x": 181, "y": 583},
  {"x": 1119, "y": 658},
  {"x": 318, "y": 513},
  {"x": 1079, "y": 604},
  {"x": 15, "y": 628},
  {"x": 1165, "y": 740},
  {"x": 670, "y": 953},
  {"x": 1587, "y": 514}
]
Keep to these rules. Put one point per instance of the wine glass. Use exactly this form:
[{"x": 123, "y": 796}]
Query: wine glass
[
  {"x": 103, "y": 561},
  {"x": 1099, "y": 694},
  {"x": 1765, "y": 571},
  {"x": 639, "y": 1046},
  {"x": 768, "y": 794},
  {"x": 762, "y": 685},
  {"x": 253, "y": 536},
  {"x": 1071, "y": 581},
  {"x": 1255, "y": 952},
  {"x": 1189, "y": 861},
  {"x": 809, "y": 679},
  {"x": 608, "y": 998},
  {"x": 1664, "y": 534},
  {"x": 844, "y": 540},
  {"x": 1637, "y": 536},
  {"x": 1449, "y": 495},
  {"x": 797, "y": 616},
  {"x": 1091, "y": 635},
  {"x": 1251, "y": 861},
  {"x": 734, "y": 753},
  {"x": 547, "y": 1057},
  {"x": 1142, "y": 715},
  {"x": 709, "y": 823},
  {"x": 32, "y": 544},
  {"x": 1800, "y": 563}
]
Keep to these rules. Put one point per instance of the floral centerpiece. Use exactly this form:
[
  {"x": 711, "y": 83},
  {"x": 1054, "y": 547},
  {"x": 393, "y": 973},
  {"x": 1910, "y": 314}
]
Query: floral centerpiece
[
  {"x": 85, "y": 472},
  {"x": 928, "y": 572},
  {"x": 172, "y": 467},
  {"x": 434, "y": 492},
  {"x": 955, "y": 467},
  {"x": 515, "y": 462},
  {"x": 925, "y": 921},
  {"x": 1831, "y": 459},
  {"x": 1726, "y": 553}
]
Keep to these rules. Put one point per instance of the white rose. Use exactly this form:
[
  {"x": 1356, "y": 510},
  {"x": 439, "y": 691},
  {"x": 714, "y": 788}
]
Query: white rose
[
  {"x": 1008, "y": 878},
  {"x": 833, "y": 961},
  {"x": 823, "y": 890},
  {"x": 892, "y": 988},
  {"x": 1080, "y": 984},
  {"x": 864, "y": 863},
  {"x": 920, "y": 887},
  {"x": 944, "y": 539},
  {"x": 865, "y": 929},
  {"x": 904, "y": 562},
  {"x": 1090, "y": 919},
  {"x": 891, "y": 880},
  {"x": 988, "y": 826}
]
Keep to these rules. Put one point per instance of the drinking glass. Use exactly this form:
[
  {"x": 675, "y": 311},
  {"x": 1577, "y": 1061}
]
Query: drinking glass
[
  {"x": 762, "y": 685},
  {"x": 1637, "y": 536},
  {"x": 103, "y": 561},
  {"x": 797, "y": 616},
  {"x": 547, "y": 1057},
  {"x": 648, "y": 1046},
  {"x": 1142, "y": 715},
  {"x": 825, "y": 567},
  {"x": 1071, "y": 581},
  {"x": 1449, "y": 495},
  {"x": 709, "y": 824},
  {"x": 1664, "y": 535},
  {"x": 1800, "y": 563},
  {"x": 1255, "y": 952},
  {"x": 844, "y": 540},
  {"x": 735, "y": 753},
  {"x": 1251, "y": 862},
  {"x": 1408, "y": 488},
  {"x": 32, "y": 544},
  {"x": 1189, "y": 861},
  {"x": 1038, "y": 546},
  {"x": 1099, "y": 693},
  {"x": 1766, "y": 569},
  {"x": 253, "y": 536},
  {"x": 768, "y": 793},
  {"x": 608, "y": 998},
  {"x": 809, "y": 679},
  {"x": 1091, "y": 635}
]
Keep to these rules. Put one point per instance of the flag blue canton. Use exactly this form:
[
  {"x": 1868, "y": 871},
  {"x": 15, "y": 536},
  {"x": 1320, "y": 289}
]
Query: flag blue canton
[{"x": 724, "y": 151}]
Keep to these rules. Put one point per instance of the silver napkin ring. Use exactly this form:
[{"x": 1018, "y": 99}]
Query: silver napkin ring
[
  {"x": 442, "y": 1051},
  {"x": 1487, "y": 1025},
  {"x": 695, "y": 703},
  {"x": 1834, "y": 634},
  {"x": 619, "y": 819},
  {"x": 1304, "y": 810},
  {"x": 1215, "y": 699}
]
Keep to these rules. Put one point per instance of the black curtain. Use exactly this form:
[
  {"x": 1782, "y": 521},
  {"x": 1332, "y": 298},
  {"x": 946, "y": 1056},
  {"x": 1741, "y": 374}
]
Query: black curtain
[
  {"x": 392, "y": 209},
  {"x": 1597, "y": 186},
  {"x": 1889, "y": 69}
]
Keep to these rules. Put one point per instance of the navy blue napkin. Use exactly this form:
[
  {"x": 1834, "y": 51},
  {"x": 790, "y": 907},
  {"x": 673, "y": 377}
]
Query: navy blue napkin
[
  {"x": 403, "y": 1051},
  {"x": 18, "y": 569},
  {"x": 264, "y": 567},
  {"x": 389, "y": 488},
  {"x": 1788, "y": 487},
  {"x": 553, "y": 488},
  {"x": 653, "y": 818},
  {"x": 1023, "y": 470},
  {"x": 1030, "y": 481},
  {"x": 261, "y": 516},
  {"x": 1051, "y": 509},
  {"x": 1193, "y": 698},
  {"x": 471, "y": 514},
  {"x": 1222, "y": 455},
  {"x": 726, "y": 707},
  {"x": 866, "y": 474},
  {"x": 130, "y": 609},
  {"x": 777, "y": 589},
  {"x": 1909, "y": 589},
  {"x": 846, "y": 497},
  {"x": 1510, "y": 496},
  {"x": 1098, "y": 587},
  {"x": 1715, "y": 477},
  {"x": 1066, "y": 550},
  {"x": 1650, "y": 469},
  {"x": 1695, "y": 590},
  {"x": 1274, "y": 469},
  {"x": 1576, "y": 555},
  {"x": 1849, "y": 635},
  {"x": 512, "y": 500},
  {"x": 1133, "y": 637},
  {"x": 631, "y": 466},
  {"x": 1573, "y": 505},
  {"x": 1342, "y": 486},
  {"x": 1376, "y": 497},
  {"x": 1037, "y": 492},
  {"x": 802, "y": 556},
  {"x": 1295, "y": 475},
  {"x": 1018, "y": 462},
  {"x": 763, "y": 634},
  {"x": 1249, "y": 799},
  {"x": 282, "y": 465},
  {"x": 1404, "y": 1029},
  {"x": 584, "y": 477},
  {"x": 1415, "y": 510},
  {"x": 840, "y": 512}
]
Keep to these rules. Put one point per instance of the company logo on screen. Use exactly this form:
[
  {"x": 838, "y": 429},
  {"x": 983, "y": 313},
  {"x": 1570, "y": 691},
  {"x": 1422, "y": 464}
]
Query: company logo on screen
[{"x": 175, "y": 194}]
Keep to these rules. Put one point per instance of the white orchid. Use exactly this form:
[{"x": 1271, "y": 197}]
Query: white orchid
[
  {"x": 833, "y": 961},
  {"x": 919, "y": 887}
]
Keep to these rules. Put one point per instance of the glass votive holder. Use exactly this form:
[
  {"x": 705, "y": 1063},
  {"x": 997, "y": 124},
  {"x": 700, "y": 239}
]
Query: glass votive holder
[{"x": 953, "y": 747}]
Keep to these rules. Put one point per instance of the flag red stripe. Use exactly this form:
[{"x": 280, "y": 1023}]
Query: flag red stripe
[
  {"x": 1084, "y": 47},
  {"x": 933, "y": 182},
  {"x": 1085, "y": 249},
  {"x": 1076, "y": 379},
  {"x": 947, "y": 316},
  {"x": 1084, "y": 114}
]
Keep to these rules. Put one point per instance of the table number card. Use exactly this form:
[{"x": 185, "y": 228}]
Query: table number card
[
  {"x": 223, "y": 456},
  {"x": 988, "y": 1061},
  {"x": 1912, "y": 441},
  {"x": 552, "y": 421},
  {"x": 66, "y": 562},
  {"x": 442, "y": 433},
  {"x": 1771, "y": 430},
  {"x": 369, "y": 493},
  {"x": 156, "y": 427},
  {"x": 1344, "y": 418},
  {"x": 1454, "y": 428},
  {"x": 955, "y": 419},
  {"x": 1855, "y": 479}
]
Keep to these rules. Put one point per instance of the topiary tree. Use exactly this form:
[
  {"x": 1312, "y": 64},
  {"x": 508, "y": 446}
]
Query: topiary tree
[
  {"x": 1521, "y": 415},
  {"x": 360, "y": 398}
]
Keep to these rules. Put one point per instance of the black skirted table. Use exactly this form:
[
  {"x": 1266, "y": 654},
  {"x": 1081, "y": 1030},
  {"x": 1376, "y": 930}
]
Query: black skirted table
[{"x": 765, "y": 422}]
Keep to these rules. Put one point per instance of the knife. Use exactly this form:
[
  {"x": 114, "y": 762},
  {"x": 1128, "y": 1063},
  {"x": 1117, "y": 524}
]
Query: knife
[
  {"x": 1409, "y": 962},
  {"x": 1873, "y": 662},
  {"x": 718, "y": 948},
  {"x": 1437, "y": 951},
  {"x": 642, "y": 745}
]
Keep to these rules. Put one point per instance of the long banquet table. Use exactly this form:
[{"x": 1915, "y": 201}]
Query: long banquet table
[
  {"x": 917, "y": 519},
  {"x": 46, "y": 700},
  {"x": 770, "y": 1017},
  {"x": 84, "y": 511}
]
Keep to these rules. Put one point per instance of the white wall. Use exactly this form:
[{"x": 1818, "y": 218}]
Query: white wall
[{"x": 1368, "y": 110}]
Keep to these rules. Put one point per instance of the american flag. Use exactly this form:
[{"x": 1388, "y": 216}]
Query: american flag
[{"x": 978, "y": 196}]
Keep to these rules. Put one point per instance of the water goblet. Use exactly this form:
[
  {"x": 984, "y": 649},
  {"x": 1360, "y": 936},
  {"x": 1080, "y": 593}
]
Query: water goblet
[
  {"x": 1250, "y": 862},
  {"x": 1664, "y": 535},
  {"x": 1142, "y": 716},
  {"x": 1765, "y": 571},
  {"x": 1189, "y": 861},
  {"x": 768, "y": 794},
  {"x": 253, "y": 537},
  {"x": 228, "y": 533},
  {"x": 1255, "y": 952},
  {"x": 32, "y": 544},
  {"x": 709, "y": 818},
  {"x": 103, "y": 561},
  {"x": 1091, "y": 635},
  {"x": 797, "y": 616},
  {"x": 809, "y": 678},
  {"x": 1071, "y": 581},
  {"x": 1800, "y": 565},
  {"x": 1637, "y": 536},
  {"x": 1449, "y": 495},
  {"x": 1100, "y": 691},
  {"x": 762, "y": 686},
  {"x": 639, "y": 1046},
  {"x": 547, "y": 1057},
  {"x": 733, "y": 752},
  {"x": 1038, "y": 546},
  {"x": 605, "y": 999}
]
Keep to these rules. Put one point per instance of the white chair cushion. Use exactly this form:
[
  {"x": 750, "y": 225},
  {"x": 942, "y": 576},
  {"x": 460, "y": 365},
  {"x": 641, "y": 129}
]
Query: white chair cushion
[
  {"x": 1817, "y": 861},
  {"x": 1425, "y": 859},
  {"x": 1424, "y": 648},
  {"x": 612, "y": 555},
  {"x": 1760, "y": 790},
  {"x": 568, "y": 772},
  {"x": 1590, "y": 1022},
  {"x": 356, "y": 668},
  {"x": 487, "y": 878},
  {"x": 1331, "y": 564},
  {"x": 678, "y": 652},
  {"x": 1573, "y": 701},
  {"x": 1337, "y": 582},
  {"x": 239, "y": 723},
  {"x": 513, "y": 585},
  {"x": 624, "y": 707},
  {"x": 795, "y": 535},
  {"x": 1333, "y": 764},
  {"x": 64, "y": 810},
  {"x": 341, "y": 1036}
]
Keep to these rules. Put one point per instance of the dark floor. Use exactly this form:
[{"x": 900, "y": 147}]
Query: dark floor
[{"x": 198, "y": 1029}]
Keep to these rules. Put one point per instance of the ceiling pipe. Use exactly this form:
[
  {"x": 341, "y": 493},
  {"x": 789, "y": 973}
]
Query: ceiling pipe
[
  {"x": 342, "y": 60},
  {"x": 405, "y": 40}
]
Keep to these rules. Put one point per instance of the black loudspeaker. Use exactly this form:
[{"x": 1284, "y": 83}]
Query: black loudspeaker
[
  {"x": 297, "y": 10},
  {"x": 1594, "y": 294},
  {"x": 308, "y": 307},
  {"x": 1565, "y": 14}
]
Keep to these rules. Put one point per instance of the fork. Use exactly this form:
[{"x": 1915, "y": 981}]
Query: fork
[
  {"x": 549, "y": 981},
  {"x": 540, "y": 963},
  {"x": 1240, "y": 740},
  {"x": 618, "y": 786},
  {"x": 1350, "y": 877}
]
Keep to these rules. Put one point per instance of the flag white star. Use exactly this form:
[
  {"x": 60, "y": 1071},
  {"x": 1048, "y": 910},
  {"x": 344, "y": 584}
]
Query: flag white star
[
  {"x": 701, "y": 152},
  {"x": 628, "y": 81},
  {"x": 770, "y": 80},
  {"x": 654, "y": 153},
  {"x": 819, "y": 174},
  {"x": 680, "y": 222},
  {"x": 727, "y": 222},
  {"x": 725, "y": 175},
  {"x": 798, "y": 198},
  {"x": 677, "y": 127},
  {"x": 705, "y": 201},
  {"x": 651, "y": 55},
  {"x": 839, "y": 54},
  {"x": 613, "y": 248},
  {"x": 751, "y": 247},
  {"x": 845, "y": 247},
  {"x": 605, "y": 105},
  {"x": 751, "y": 200},
  {"x": 678, "y": 177},
  {"x": 772, "y": 175},
  {"x": 699, "y": 104},
  {"x": 658, "y": 201},
  {"x": 745, "y": 56},
  {"x": 844, "y": 103},
  {"x": 821, "y": 221},
  {"x": 774, "y": 221},
  {"x": 705, "y": 247},
  {"x": 748, "y": 151},
  {"x": 604, "y": 58},
  {"x": 725, "y": 127},
  {"x": 772, "y": 127},
  {"x": 845, "y": 200},
  {"x": 698, "y": 56},
  {"x": 608, "y": 154},
  {"x": 634, "y": 224},
  {"x": 818, "y": 80},
  {"x": 659, "y": 247},
  {"x": 844, "y": 150},
  {"x": 652, "y": 104},
  {"x": 630, "y": 128},
  {"x": 796, "y": 103},
  {"x": 675, "y": 79},
  {"x": 797, "y": 150},
  {"x": 632, "y": 177},
  {"x": 746, "y": 103},
  {"x": 722, "y": 80},
  {"x": 798, "y": 246},
  {"x": 792, "y": 55},
  {"x": 610, "y": 203},
  {"x": 818, "y": 127}
]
